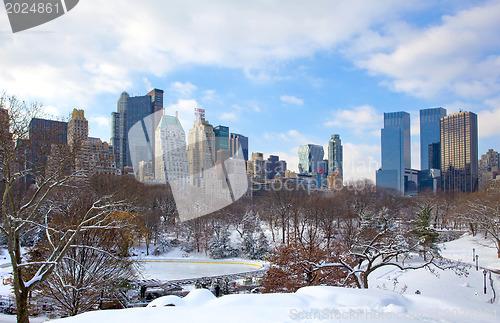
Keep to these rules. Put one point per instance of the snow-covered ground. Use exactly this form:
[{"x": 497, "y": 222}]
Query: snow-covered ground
[
  {"x": 443, "y": 296},
  {"x": 461, "y": 250},
  {"x": 308, "y": 304},
  {"x": 5, "y": 275}
]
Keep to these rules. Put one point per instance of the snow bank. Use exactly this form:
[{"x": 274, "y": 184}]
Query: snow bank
[{"x": 308, "y": 304}]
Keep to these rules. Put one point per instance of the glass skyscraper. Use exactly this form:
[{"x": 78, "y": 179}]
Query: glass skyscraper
[
  {"x": 459, "y": 156},
  {"x": 310, "y": 158},
  {"x": 130, "y": 111},
  {"x": 396, "y": 150},
  {"x": 235, "y": 142},
  {"x": 221, "y": 139},
  {"x": 429, "y": 132},
  {"x": 335, "y": 155}
]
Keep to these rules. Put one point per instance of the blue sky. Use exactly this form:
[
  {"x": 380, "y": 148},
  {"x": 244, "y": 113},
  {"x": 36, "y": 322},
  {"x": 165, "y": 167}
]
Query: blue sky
[{"x": 284, "y": 73}]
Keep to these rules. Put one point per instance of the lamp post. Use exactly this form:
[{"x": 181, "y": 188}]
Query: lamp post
[
  {"x": 473, "y": 254},
  {"x": 484, "y": 284},
  {"x": 477, "y": 268}
]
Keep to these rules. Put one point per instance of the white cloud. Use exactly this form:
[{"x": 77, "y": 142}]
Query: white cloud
[
  {"x": 101, "y": 121},
  {"x": 76, "y": 61},
  {"x": 488, "y": 119},
  {"x": 359, "y": 119},
  {"x": 184, "y": 90},
  {"x": 51, "y": 110},
  {"x": 147, "y": 84},
  {"x": 228, "y": 116},
  {"x": 291, "y": 99},
  {"x": 186, "y": 112},
  {"x": 209, "y": 96},
  {"x": 457, "y": 56},
  {"x": 360, "y": 161}
]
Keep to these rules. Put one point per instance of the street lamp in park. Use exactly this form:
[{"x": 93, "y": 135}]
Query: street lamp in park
[
  {"x": 484, "y": 284},
  {"x": 477, "y": 268}
]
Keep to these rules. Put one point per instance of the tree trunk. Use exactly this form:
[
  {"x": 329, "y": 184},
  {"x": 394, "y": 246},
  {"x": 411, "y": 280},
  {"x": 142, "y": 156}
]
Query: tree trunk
[
  {"x": 283, "y": 228},
  {"x": 498, "y": 247},
  {"x": 22, "y": 307},
  {"x": 365, "y": 280},
  {"x": 21, "y": 293},
  {"x": 20, "y": 289}
]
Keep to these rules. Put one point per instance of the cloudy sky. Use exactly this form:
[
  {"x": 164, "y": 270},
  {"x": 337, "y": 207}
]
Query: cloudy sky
[{"x": 284, "y": 73}]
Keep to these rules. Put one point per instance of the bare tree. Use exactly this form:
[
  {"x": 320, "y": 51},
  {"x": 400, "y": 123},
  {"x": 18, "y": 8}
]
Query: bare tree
[
  {"x": 380, "y": 242},
  {"x": 28, "y": 198},
  {"x": 93, "y": 266},
  {"x": 484, "y": 212}
]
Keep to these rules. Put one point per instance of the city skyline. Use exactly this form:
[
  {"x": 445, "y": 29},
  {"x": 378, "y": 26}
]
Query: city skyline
[{"x": 282, "y": 85}]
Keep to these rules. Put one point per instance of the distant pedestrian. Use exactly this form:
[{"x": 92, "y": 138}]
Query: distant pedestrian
[{"x": 217, "y": 290}]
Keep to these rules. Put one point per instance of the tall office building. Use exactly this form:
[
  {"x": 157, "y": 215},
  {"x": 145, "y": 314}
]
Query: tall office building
[
  {"x": 281, "y": 168},
  {"x": 43, "y": 134},
  {"x": 396, "y": 154},
  {"x": 131, "y": 110},
  {"x": 429, "y": 133},
  {"x": 256, "y": 168},
  {"x": 235, "y": 142},
  {"x": 170, "y": 150},
  {"x": 459, "y": 156},
  {"x": 78, "y": 127},
  {"x": 48, "y": 131},
  {"x": 4, "y": 124},
  {"x": 201, "y": 150},
  {"x": 335, "y": 156},
  {"x": 272, "y": 166},
  {"x": 488, "y": 168},
  {"x": 118, "y": 131},
  {"x": 98, "y": 157},
  {"x": 221, "y": 139},
  {"x": 310, "y": 158}
]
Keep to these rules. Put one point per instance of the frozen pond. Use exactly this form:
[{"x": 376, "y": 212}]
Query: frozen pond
[{"x": 179, "y": 269}]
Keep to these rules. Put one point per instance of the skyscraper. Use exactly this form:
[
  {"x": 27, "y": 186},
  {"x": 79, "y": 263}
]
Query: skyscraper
[
  {"x": 221, "y": 139},
  {"x": 335, "y": 155},
  {"x": 4, "y": 124},
  {"x": 171, "y": 154},
  {"x": 118, "y": 131},
  {"x": 78, "y": 127},
  {"x": 396, "y": 155},
  {"x": 235, "y": 142},
  {"x": 201, "y": 149},
  {"x": 130, "y": 111},
  {"x": 272, "y": 165},
  {"x": 256, "y": 167},
  {"x": 43, "y": 134},
  {"x": 429, "y": 133},
  {"x": 459, "y": 156},
  {"x": 310, "y": 158},
  {"x": 488, "y": 168}
]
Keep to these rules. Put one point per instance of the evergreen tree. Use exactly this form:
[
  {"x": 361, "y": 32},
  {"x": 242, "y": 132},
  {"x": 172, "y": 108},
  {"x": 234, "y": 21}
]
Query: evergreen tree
[
  {"x": 248, "y": 245},
  {"x": 262, "y": 248},
  {"x": 422, "y": 229},
  {"x": 220, "y": 246}
]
